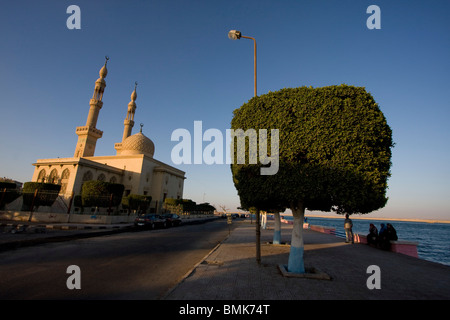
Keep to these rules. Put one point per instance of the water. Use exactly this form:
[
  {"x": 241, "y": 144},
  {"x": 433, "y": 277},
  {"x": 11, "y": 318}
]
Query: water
[{"x": 433, "y": 238}]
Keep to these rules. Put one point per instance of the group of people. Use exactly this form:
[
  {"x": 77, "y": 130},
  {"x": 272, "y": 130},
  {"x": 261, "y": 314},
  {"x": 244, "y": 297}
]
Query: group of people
[{"x": 381, "y": 239}]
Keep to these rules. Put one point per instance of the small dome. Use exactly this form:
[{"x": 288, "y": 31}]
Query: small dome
[{"x": 138, "y": 144}]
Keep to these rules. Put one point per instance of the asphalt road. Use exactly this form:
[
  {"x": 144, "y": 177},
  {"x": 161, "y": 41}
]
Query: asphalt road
[{"x": 131, "y": 265}]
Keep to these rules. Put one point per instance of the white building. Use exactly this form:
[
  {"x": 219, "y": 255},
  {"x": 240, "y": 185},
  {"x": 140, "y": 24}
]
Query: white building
[{"x": 133, "y": 165}]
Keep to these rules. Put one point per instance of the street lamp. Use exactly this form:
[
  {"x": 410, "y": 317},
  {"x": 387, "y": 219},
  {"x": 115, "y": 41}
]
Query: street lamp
[{"x": 235, "y": 35}]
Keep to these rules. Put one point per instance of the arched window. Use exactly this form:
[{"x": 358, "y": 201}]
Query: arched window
[
  {"x": 113, "y": 180},
  {"x": 101, "y": 177},
  {"x": 87, "y": 176},
  {"x": 41, "y": 176},
  {"x": 64, "y": 180},
  {"x": 65, "y": 174},
  {"x": 53, "y": 177}
]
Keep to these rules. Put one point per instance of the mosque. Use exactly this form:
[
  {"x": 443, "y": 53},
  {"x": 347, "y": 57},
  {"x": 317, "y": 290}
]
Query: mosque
[{"x": 133, "y": 165}]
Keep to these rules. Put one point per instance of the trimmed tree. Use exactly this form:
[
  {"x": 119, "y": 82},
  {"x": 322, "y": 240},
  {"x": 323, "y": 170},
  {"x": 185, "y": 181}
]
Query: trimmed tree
[
  {"x": 101, "y": 194},
  {"x": 8, "y": 193},
  {"x": 334, "y": 154},
  {"x": 36, "y": 194},
  {"x": 205, "y": 207},
  {"x": 136, "y": 202},
  {"x": 186, "y": 205},
  {"x": 174, "y": 205}
]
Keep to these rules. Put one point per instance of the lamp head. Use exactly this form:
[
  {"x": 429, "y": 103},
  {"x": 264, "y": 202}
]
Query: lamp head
[{"x": 234, "y": 34}]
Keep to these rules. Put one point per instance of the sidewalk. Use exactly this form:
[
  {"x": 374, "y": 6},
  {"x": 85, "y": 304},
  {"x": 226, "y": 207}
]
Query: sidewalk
[{"x": 230, "y": 272}]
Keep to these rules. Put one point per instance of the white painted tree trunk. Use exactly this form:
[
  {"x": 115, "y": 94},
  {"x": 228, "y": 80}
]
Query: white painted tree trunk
[
  {"x": 277, "y": 229},
  {"x": 296, "y": 263},
  {"x": 264, "y": 221}
]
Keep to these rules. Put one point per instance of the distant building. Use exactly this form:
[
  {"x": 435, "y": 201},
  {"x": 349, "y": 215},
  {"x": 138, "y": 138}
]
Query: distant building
[{"x": 133, "y": 165}]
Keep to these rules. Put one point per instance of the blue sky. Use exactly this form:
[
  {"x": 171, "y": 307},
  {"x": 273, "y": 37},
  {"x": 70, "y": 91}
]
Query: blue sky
[{"x": 188, "y": 70}]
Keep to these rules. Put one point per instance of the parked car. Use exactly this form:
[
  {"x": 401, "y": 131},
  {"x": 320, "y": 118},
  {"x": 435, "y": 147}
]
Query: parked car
[
  {"x": 150, "y": 221},
  {"x": 172, "y": 219}
]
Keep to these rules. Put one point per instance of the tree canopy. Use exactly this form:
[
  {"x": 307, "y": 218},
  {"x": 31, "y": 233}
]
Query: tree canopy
[
  {"x": 334, "y": 154},
  {"x": 136, "y": 202},
  {"x": 188, "y": 205},
  {"x": 8, "y": 192},
  {"x": 334, "y": 150},
  {"x": 46, "y": 194},
  {"x": 101, "y": 193}
]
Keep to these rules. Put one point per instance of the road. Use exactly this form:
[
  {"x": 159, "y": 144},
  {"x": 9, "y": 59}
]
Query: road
[{"x": 131, "y": 265}]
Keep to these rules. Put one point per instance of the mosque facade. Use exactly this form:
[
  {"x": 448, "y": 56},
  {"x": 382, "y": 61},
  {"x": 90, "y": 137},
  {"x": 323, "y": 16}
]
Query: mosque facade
[{"x": 133, "y": 165}]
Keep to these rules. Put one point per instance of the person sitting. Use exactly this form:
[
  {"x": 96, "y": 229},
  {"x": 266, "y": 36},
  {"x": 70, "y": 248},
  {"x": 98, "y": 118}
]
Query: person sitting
[
  {"x": 383, "y": 240},
  {"x": 372, "y": 237},
  {"x": 382, "y": 229},
  {"x": 391, "y": 233}
]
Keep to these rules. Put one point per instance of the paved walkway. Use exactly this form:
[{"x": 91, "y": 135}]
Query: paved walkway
[{"x": 231, "y": 272}]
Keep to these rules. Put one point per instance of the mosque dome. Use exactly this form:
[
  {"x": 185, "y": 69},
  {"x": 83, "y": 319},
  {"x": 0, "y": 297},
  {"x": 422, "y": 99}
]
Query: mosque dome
[{"x": 138, "y": 144}]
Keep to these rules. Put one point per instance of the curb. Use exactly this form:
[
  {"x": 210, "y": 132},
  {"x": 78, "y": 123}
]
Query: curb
[
  {"x": 61, "y": 238},
  {"x": 310, "y": 273},
  {"x": 102, "y": 231},
  {"x": 191, "y": 271},
  {"x": 80, "y": 227}
]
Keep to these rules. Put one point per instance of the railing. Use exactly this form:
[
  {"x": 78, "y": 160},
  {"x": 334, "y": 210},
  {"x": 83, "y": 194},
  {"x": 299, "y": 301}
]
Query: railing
[
  {"x": 323, "y": 229},
  {"x": 400, "y": 246}
]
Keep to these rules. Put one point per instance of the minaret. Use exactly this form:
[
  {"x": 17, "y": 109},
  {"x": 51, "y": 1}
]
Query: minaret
[
  {"x": 88, "y": 135},
  {"x": 128, "y": 123},
  {"x": 129, "y": 120}
]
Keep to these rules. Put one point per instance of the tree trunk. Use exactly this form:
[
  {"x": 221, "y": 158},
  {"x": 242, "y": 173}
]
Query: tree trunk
[
  {"x": 296, "y": 263},
  {"x": 264, "y": 220},
  {"x": 277, "y": 229}
]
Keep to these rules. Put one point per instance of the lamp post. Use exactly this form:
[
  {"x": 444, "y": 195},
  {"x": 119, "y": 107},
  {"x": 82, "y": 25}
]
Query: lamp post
[{"x": 235, "y": 35}]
